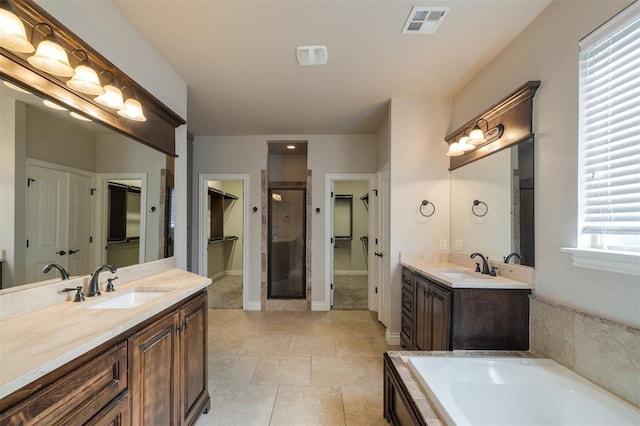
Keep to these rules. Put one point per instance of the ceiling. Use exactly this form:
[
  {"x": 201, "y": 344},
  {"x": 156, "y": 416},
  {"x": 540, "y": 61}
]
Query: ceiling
[{"x": 238, "y": 57}]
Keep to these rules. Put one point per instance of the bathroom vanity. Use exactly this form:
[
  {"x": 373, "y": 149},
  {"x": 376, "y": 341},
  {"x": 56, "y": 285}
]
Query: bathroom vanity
[
  {"x": 98, "y": 362},
  {"x": 450, "y": 307}
]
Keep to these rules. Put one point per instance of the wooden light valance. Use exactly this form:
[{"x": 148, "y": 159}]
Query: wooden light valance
[
  {"x": 157, "y": 132},
  {"x": 515, "y": 113}
]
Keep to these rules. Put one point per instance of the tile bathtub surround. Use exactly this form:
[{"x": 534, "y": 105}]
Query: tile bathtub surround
[
  {"x": 295, "y": 368},
  {"x": 31, "y": 297},
  {"x": 603, "y": 351}
]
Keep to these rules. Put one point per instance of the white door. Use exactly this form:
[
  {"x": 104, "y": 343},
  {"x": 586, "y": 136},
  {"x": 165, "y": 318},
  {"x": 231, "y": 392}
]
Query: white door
[
  {"x": 79, "y": 228},
  {"x": 384, "y": 278},
  {"x": 46, "y": 221},
  {"x": 58, "y": 222}
]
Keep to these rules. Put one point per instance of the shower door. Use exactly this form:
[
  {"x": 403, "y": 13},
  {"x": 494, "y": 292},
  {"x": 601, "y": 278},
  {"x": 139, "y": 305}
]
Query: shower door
[{"x": 287, "y": 244}]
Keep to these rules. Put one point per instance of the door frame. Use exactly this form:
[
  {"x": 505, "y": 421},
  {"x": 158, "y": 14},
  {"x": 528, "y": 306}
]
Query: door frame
[
  {"x": 330, "y": 178},
  {"x": 103, "y": 213},
  {"x": 203, "y": 178}
]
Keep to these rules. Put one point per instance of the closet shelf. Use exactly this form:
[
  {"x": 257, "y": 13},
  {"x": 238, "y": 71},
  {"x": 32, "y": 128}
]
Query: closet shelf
[{"x": 223, "y": 239}]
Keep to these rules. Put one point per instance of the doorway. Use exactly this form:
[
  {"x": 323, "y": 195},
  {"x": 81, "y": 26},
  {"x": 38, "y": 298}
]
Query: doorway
[
  {"x": 223, "y": 239},
  {"x": 350, "y": 231}
]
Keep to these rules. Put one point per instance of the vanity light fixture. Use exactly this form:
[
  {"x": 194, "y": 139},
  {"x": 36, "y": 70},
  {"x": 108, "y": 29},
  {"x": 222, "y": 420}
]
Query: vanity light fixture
[
  {"x": 132, "y": 109},
  {"x": 13, "y": 35},
  {"x": 476, "y": 138},
  {"x": 112, "y": 96},
  {"x": 50, "y": 57},
  {"x": 85, "y": 79}
]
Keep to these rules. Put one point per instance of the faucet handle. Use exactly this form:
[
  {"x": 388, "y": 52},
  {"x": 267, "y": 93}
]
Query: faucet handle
[
  {"x": 110, "y": 286},
  {"x": 493, "y": 272},
  {"x": 477, "y": 267},
  {"x": 79, "y": 297}
]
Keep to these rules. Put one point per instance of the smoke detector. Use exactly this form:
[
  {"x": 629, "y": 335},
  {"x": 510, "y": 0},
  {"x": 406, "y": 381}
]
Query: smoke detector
[
  {"x": 311, "y": 55},
  {"x": 424, "y": 20}
]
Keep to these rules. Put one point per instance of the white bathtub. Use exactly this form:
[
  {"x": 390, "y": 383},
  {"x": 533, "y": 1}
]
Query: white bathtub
[{"x": 516, "y": 391}]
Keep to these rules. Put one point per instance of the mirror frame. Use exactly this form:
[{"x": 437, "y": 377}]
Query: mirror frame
[
  {"x": 157, "y": 132},
  {"x": 515, "y": 113}
]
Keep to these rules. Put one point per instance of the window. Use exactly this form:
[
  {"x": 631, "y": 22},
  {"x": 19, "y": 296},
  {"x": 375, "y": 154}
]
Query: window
[{"x": 609, "y": 192}]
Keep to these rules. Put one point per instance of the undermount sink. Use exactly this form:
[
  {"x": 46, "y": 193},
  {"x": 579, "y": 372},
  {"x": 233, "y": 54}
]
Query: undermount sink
[
  {"x": 131, "y": 298},
  {"x": 461, "y": 275}
]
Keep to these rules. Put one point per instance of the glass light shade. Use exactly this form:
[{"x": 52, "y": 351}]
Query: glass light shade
[
  {"x": 51, "y": 58},
  {"x": 111, "y": 98},
  {"x": 454, "y": 150},
  {"x": 85, "y": 80},
  {"x": 132, "y": 109},
  {"x": 476, "y": 136},
  {"x": 13, "y": 36},
  {"x": 464, "y": 144}
]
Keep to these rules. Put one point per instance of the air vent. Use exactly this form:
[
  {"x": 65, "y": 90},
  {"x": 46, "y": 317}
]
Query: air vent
[
  {"x": 424, "y": 20},
  {"x": 312, "y": 55}
]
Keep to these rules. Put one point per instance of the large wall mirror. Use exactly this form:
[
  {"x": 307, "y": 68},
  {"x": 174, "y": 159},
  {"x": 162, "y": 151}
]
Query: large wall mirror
[
  {"x": 492, "y": 181},
  {"x": 492, "y": 209},
  {"x": 56, "y": 175}
]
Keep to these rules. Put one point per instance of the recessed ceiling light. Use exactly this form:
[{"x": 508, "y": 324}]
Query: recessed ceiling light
[
  {"x": 52, "y": 105},
  {"x": 291, "y": 147}
]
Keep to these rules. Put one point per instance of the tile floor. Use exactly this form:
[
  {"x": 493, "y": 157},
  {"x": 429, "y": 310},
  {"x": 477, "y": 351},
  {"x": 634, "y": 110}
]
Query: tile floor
[{"x": 295, "y": 368}]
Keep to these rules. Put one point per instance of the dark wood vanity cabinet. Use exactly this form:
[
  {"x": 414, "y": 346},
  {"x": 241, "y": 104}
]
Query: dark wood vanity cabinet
[
  {"x": 169, "y": 367},
  {"x": 437, "y": 318},
  {"x": 154, "y": 374}
]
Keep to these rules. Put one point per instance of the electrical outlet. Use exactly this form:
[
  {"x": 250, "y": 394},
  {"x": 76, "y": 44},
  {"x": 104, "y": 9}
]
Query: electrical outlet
[
  {"x": 443, "y": 244},
  {"x": 458, "y": 244}
]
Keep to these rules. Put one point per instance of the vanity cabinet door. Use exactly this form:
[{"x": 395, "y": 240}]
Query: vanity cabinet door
[
  {"x": 440, "y": 318},
  {"x": 193, "y": 359},
  {"x": 154, "y": 373},
  {"x": 422, "y": 315}
]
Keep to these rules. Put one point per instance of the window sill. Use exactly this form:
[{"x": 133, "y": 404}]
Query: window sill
[{"x": 612, "y": 261}]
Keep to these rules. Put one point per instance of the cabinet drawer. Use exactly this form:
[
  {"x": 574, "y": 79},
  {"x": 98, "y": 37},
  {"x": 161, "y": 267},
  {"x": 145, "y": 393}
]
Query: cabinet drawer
[
  {"x": 407, "y": 301},
  {"x": 83, "y": 392}
]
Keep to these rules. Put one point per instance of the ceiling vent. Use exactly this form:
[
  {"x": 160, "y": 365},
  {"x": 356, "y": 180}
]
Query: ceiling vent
[
  {"x": 424, "y": 20},
  {"x": 312, "y": 55}
]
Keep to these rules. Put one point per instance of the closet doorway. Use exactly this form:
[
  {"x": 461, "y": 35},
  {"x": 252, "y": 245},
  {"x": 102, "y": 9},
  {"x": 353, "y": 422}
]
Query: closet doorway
[
  {"x": 350, "y": 233},
  {"x": 223, "y": 239}
]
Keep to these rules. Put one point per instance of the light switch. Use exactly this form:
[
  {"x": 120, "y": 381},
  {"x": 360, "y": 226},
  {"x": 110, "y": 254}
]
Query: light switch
[
  {"x": 443, "y": 244},
  {"x": 458, "y": 245}
]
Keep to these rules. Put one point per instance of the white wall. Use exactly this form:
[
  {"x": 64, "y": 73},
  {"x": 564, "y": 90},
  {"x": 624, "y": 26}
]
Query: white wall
[
  {"x": 419, "y": 170},
  {"x": 115, "y": 39},
  {"x": 248, "y": 155},
  {"x": 548, "y": 51}
]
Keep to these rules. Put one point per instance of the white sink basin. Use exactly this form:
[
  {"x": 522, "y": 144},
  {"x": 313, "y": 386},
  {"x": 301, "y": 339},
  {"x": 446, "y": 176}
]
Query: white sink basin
[
  {"x": 462, "y": 275},
  {"x": 130, "y": 298}
]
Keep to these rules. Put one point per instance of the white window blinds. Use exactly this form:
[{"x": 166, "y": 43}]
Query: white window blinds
[{"x": 610, "y": 130}]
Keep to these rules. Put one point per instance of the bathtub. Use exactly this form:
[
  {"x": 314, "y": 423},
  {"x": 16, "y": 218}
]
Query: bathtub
[{"x": 516, "y": 391}]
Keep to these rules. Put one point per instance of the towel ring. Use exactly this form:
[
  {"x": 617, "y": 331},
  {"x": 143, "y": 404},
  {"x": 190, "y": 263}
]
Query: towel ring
[
  {"x": 425, "y": 204},
  {"x": 479, "y": 208}
]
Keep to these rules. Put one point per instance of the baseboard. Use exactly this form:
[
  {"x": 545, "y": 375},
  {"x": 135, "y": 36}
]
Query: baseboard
[
  {"x": 350, "y": 272},
  {"x": 392, "y": 338},
  {"x": 253, "y": 306},
  {"x": 233, "y": 272},
  {"x": 320, "y": 306},
  {"x": 217, "y": 276}
]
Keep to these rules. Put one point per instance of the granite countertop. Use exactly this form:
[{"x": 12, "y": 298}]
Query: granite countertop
[
  {"x": 36, "y": 343},
  {"x": 454, "y": 275}
]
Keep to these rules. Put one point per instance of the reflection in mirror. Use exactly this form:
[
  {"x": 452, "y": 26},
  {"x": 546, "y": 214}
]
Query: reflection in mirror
[
  {"x": 504, "y": 182},
  {"x": 54, "y": 173},
  {"x": 124, "y": 222}
]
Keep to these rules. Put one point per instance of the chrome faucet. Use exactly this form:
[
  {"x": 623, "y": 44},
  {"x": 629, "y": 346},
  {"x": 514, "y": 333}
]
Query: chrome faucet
[
  {"x": 514, "y": 254},
  {"x": 94, "y": 288},
  {"x": 63, "y": 272},
  {"x": 485, "y": 263}
]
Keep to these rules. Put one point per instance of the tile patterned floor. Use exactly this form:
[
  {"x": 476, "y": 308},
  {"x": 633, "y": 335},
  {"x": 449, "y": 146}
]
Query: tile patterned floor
[{"x": 295, "y": 368}]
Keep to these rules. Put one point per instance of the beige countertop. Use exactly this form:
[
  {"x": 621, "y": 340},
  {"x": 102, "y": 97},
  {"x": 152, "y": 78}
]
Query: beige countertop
[
  {"x": 36, "y": 343},
  {"x": 457, "y": 276}
]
